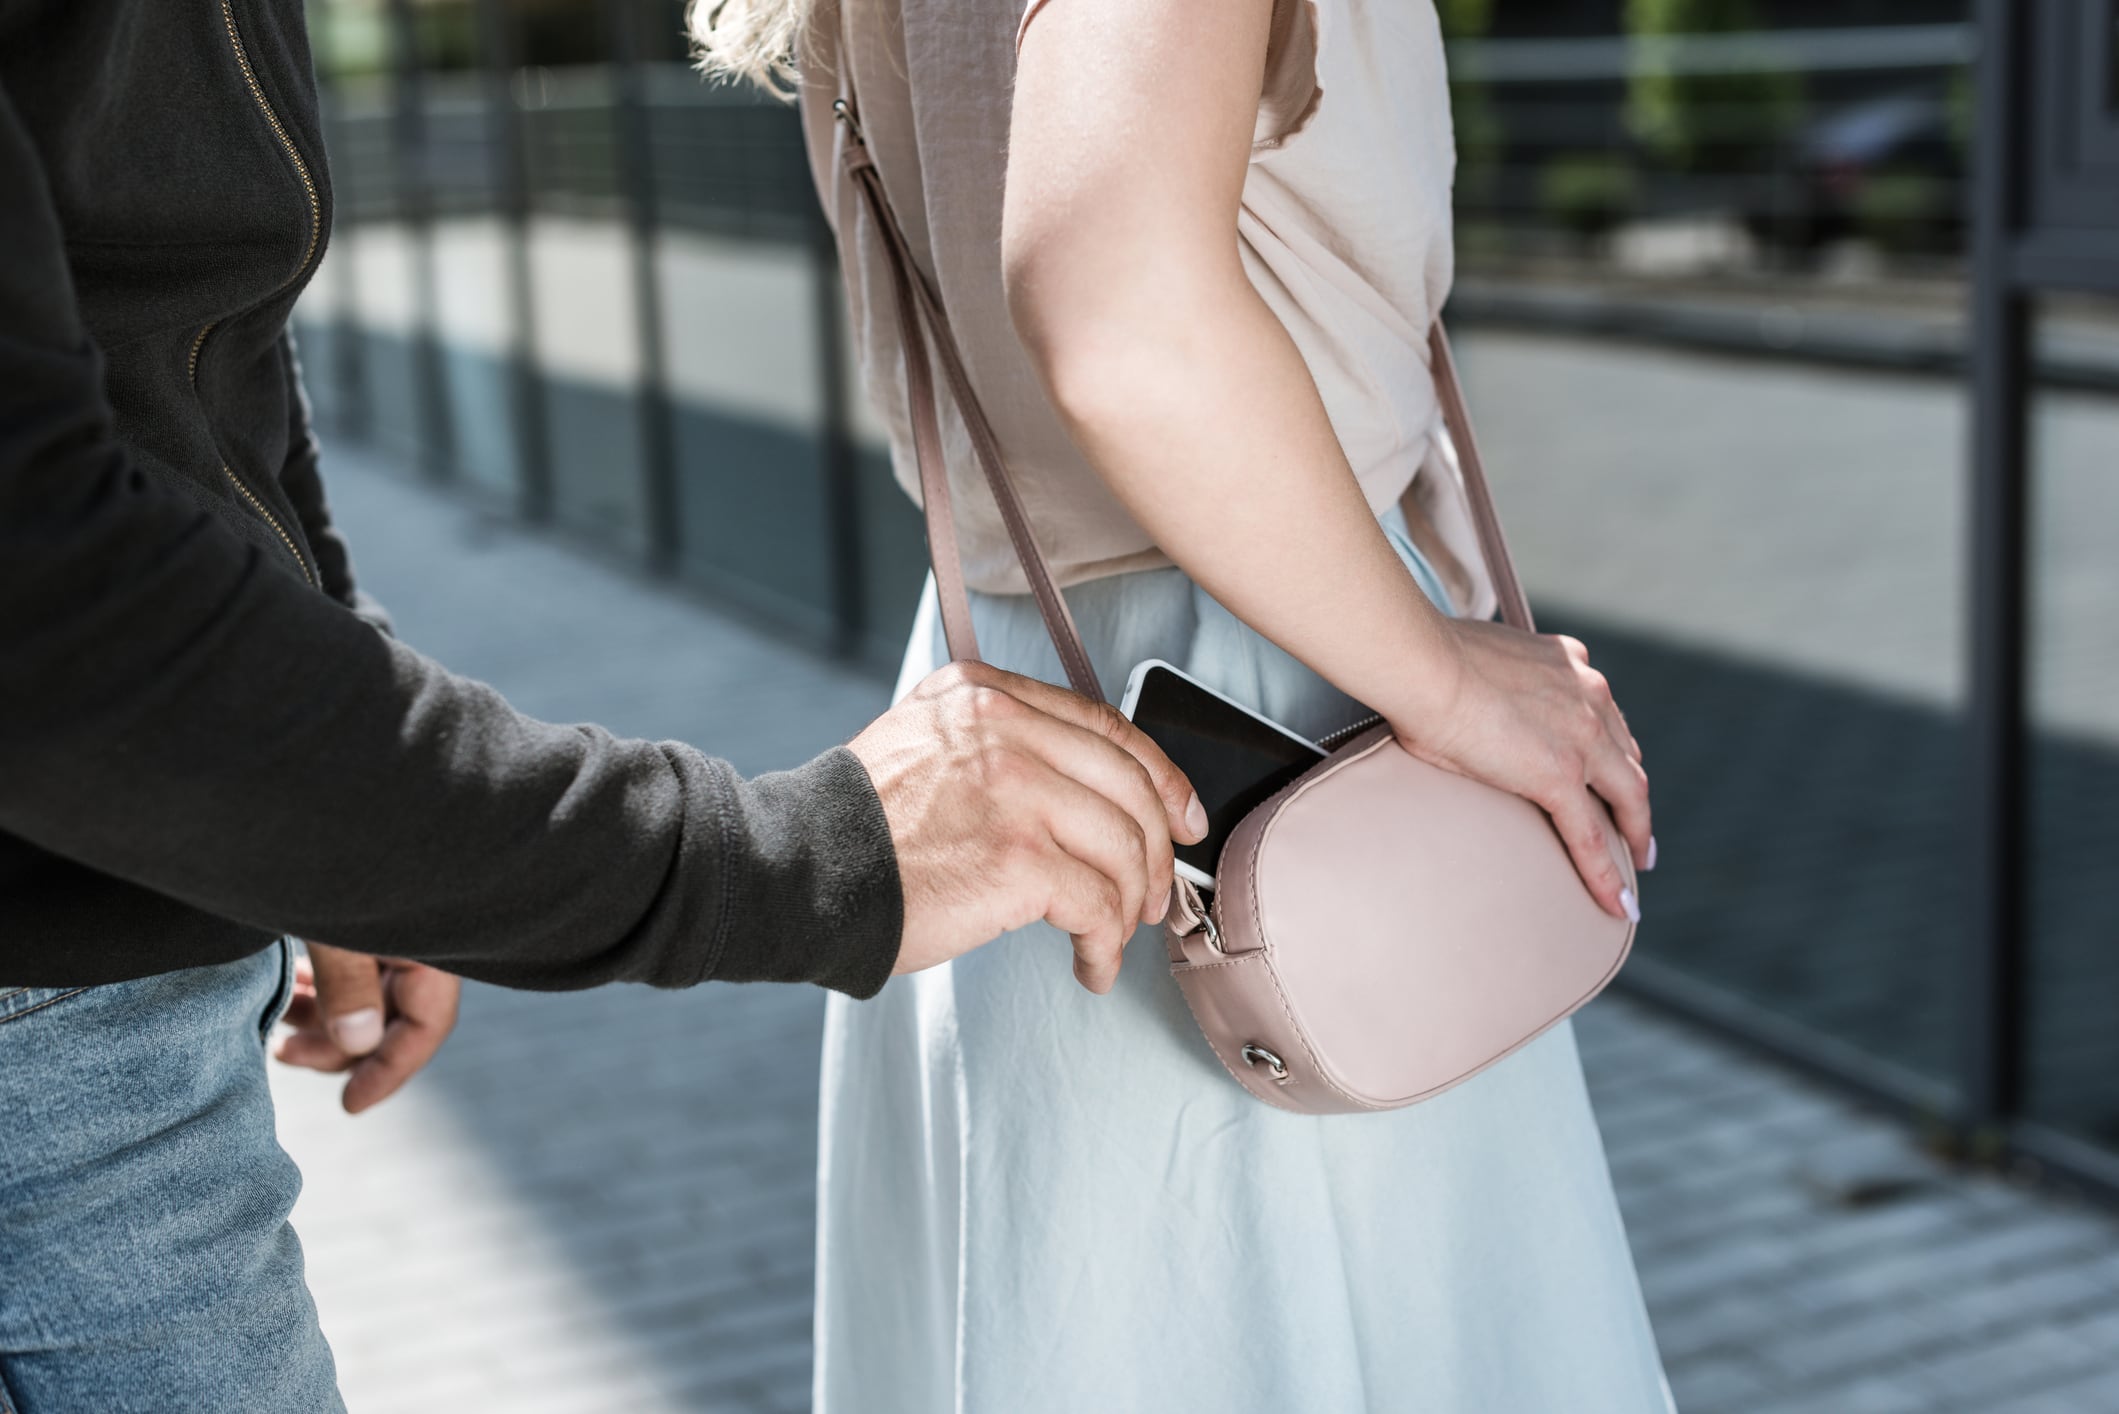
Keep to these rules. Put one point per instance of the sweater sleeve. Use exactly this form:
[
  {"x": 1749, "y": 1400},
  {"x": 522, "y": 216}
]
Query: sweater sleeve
[{"x": 179, "y": 713}]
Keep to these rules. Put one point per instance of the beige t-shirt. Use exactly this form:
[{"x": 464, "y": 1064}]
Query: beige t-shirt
[{"x": 1344, "y": 230}]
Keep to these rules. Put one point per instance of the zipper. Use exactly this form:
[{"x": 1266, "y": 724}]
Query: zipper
[
  {"x": 191, "y": 364},
  {"x": 301, "y": 168},
  {"x": 316, "y": 224},
  {"x": 1348, "y": 733},
  {"x": 271, "y": 520}
]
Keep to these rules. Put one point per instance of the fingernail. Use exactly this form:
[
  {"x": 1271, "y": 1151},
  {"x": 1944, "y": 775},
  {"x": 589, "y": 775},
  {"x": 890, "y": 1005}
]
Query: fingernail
[
  {"x": 358, "y": 1032},
  {"x": 1196, "y": 819},
  {"x": 1631, "y": 904},
  {"x": 1161, "y": 910},
  {"x": 1645, "y": 868}
]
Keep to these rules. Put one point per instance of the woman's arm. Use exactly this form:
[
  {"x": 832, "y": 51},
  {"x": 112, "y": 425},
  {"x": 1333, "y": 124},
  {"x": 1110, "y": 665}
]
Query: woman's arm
[{"x": 1130, "y": 136}]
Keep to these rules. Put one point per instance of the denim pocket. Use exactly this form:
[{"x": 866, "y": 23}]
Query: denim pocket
[
  {"x": 283, "y": 994},
  {"x": 18, "y": 1002}
]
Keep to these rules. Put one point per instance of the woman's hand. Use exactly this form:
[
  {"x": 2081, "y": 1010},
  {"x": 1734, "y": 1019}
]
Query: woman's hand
[{"x": 1525, "y": 712}]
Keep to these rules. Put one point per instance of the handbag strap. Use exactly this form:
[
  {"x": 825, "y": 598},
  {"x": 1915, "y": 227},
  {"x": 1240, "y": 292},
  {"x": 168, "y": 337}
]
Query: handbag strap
[
  {"x": 1486, "y": 521},
  {"x": 919, "y": 308},
  {"x": 921, "y": 320}
]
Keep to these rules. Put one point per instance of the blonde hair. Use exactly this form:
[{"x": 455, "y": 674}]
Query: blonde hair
[{"x": 750, "y": 40}]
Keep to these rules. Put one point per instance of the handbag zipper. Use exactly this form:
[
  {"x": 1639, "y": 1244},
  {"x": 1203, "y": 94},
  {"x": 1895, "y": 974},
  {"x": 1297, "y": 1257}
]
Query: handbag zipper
[
  {"x": 1335, "y": 740},
  {"x": 316, "y": 221}
]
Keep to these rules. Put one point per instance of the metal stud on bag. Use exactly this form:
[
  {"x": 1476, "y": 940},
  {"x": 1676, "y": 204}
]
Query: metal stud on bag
[{"x": 1255, "y": 1055}]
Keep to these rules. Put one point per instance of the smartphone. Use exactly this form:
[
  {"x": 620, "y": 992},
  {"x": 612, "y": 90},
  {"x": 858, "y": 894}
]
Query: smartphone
[{"x": 1235, "y": 758}]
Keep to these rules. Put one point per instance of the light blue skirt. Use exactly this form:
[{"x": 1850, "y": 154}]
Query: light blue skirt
[{"x": 1032, "y": 1200}]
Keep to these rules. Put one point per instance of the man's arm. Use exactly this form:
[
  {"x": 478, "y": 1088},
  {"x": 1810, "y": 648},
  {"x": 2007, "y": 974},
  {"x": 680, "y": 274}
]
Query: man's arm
[{"x": 178, "y": 712}]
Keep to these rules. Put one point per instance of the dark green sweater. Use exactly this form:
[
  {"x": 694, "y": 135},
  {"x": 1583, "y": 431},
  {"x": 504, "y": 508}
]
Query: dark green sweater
[{"x": 202, "y": 742}]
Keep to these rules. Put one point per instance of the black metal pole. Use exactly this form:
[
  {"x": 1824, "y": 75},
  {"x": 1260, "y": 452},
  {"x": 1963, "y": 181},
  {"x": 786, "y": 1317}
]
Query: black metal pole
[
  {"x": 533, "y": 445},
  {"x": 841, "y": 458},
  {"x": 637, "y": 183},
  {"x": 409, "y": 150},
  {"x": 1991, "y": 1062}
]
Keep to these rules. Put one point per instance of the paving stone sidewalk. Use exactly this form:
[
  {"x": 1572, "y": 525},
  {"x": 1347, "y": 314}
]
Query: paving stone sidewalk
[{"x": 602, "y": 1201}]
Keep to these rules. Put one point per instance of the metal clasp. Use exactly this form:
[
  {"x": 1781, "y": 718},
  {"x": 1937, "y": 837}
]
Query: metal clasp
[
  {"x": 1192, "y": 913},
  {"x": 843, "y": 111},
  {"x": 1255, "y": 1055}
]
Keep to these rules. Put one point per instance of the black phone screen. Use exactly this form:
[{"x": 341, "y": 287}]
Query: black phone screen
[{"x": 1234, "y": 761}]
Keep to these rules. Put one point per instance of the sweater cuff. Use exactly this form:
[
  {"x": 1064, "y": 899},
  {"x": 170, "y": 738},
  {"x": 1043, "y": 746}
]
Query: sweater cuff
[{"x": 812, "y": 881}]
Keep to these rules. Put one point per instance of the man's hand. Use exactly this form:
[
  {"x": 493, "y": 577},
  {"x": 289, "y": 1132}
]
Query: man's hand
[
  {"x": 379, "y": 1018},
  {"x": 1011, "y": 801}
]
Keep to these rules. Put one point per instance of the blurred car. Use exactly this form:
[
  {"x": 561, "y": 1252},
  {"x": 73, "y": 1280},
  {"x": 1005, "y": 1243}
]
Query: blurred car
[{"x": 1890, "y": 170}]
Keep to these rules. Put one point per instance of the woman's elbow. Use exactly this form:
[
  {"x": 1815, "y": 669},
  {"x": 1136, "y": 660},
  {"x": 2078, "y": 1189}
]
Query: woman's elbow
[
  {"x": 1045, "y": 301},
  {"x": 1102, "y": 346}
]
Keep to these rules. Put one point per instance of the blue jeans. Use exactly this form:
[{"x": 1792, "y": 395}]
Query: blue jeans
[{"x": 146, "y": 1262}]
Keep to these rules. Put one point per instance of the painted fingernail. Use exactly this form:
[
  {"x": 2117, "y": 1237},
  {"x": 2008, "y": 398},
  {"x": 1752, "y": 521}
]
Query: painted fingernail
[
  {"x": 1645, "y": 868},
  {"x": 1196, "y": 819},
  {"x": 358, "y": 1032},
  {"x": 1631, "y": 904}
]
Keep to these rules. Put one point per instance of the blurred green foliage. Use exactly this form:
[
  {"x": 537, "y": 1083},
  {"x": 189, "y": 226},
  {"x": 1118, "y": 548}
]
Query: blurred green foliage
[
  {"x": 1963, "y": 92},
  {"x": 1476, "y": 120},
  {"x": 1465, "y": 19},
  {"x": 1692, "y": 121},
  {"x": 1905, "y": 211},
  {"x": 358, "y": 37},
  {"x": 1588, "y": 193},
  {"x": 350, "y": 39}
]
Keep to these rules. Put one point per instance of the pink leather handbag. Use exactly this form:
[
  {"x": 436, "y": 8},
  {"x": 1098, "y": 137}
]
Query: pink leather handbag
[{"x": 1381, "y": 929}]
